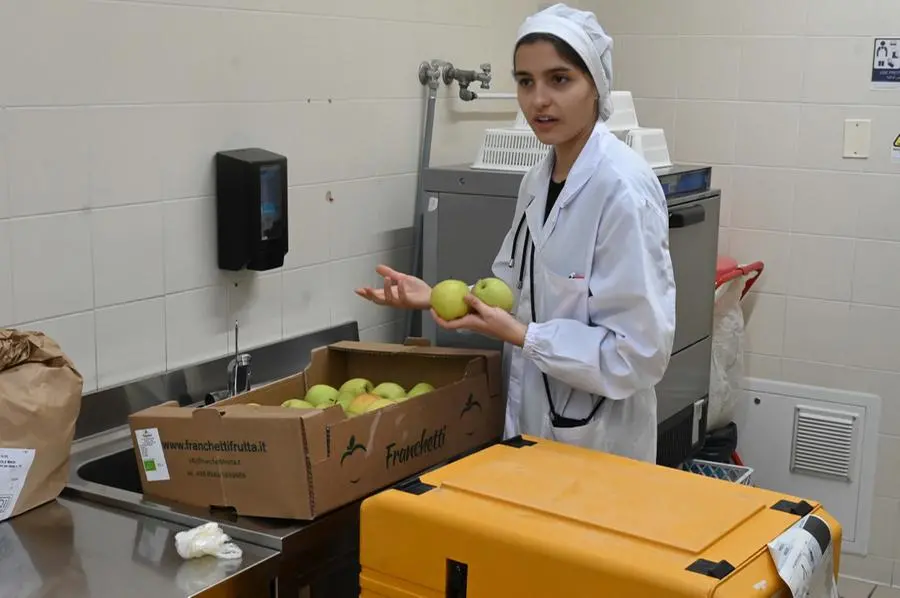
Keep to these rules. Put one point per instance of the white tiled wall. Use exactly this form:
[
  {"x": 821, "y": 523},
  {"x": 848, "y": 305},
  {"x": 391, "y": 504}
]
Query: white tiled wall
[
  {"x": 111, "y": 112},
  {"x": 761, "y": 90}
]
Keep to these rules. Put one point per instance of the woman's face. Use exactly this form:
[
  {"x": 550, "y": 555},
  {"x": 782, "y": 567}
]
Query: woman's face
[{"x": 557, "y": 98}]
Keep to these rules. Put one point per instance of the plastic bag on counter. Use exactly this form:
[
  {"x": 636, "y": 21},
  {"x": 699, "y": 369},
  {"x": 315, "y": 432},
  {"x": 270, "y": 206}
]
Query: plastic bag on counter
[
  {"x": 40, "y": 399},
  {"x": 206, "y": 539},
  {"x": 727, "y": 363}
]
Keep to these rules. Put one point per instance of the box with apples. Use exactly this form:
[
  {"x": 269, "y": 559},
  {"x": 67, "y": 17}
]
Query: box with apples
[{"x": 359, "y": 418}]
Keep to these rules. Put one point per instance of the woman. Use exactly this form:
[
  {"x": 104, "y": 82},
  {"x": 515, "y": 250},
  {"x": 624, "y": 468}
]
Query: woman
[{"x": 587, "y": 254}]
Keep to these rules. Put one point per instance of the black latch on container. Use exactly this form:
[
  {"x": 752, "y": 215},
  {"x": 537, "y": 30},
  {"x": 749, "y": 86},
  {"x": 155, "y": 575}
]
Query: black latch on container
[
  {"x": 719, "y": 570},
  {"x": 416, "y": 486},
  {"x": 801, "y": 509},
  {"x": 518, "y": 442},
  {"x": 457, "y": 579}
]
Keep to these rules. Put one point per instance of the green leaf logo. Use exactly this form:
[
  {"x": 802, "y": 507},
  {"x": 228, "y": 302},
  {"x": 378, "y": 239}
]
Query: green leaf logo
[
  {"x": 471, "y": 404},
  {"x": 352, "y": 447}
]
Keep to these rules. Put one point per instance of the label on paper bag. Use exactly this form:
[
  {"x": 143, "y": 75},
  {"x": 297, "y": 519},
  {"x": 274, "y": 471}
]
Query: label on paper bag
[
  {"x": 14, "y": 466},
  {"x": 804, "y": 557},
  {"x": 152, "y": 458}
]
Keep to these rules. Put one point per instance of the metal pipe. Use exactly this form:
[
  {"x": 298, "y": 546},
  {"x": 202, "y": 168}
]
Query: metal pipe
[
  {"x": 429, "y": 75},
  {"x": 495, "y": 95}
]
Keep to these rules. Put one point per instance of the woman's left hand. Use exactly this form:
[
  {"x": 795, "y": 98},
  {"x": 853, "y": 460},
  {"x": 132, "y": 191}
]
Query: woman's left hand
[{"x": 487, "y": 320}]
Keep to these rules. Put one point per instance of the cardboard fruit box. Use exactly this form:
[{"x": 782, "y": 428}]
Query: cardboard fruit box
[{"x": 249, "y": 454}]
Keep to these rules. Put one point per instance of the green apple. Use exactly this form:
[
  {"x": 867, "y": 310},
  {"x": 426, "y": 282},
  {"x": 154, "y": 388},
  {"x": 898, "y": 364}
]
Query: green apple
[
  {"x": 419, "y": 389},
  {"x": 357, "y": 386},
  {"x": 321, "y": 395},
  {"x": 448, "y": 299},
  {"x": 297, "y": 404},
  {"x": 494, "y": 292},
  {"x": 389, "y": 390},
  {"x": 344, "y": 399},
  {"x": 379, "y": 404},
  {"x": 359, "y": 405}
]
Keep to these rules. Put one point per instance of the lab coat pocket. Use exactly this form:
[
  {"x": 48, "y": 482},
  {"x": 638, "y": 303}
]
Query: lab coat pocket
[
  {"x": 585, "y": 436},
  {"x": 563, "y": 297}
]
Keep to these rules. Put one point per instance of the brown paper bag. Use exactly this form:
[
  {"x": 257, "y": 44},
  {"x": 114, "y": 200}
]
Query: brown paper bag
[{"x": 40, "y": 398}]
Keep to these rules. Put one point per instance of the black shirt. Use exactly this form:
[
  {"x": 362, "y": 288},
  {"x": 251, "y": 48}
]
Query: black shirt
[{"x": 553, "y": 192}]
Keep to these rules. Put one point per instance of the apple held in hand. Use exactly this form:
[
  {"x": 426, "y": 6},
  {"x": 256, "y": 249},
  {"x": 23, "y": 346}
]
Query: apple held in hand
[
  {"x": 494, "y": 292},
  {"x": 448, "y": 299}
]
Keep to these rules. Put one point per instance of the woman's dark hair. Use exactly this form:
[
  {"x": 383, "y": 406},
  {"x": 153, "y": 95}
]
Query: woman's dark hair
[{"x": 566, "y": 51}]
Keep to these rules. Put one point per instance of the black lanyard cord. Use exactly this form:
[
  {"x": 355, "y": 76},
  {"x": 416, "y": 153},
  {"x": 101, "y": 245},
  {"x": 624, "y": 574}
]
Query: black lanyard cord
[{"x": 556, "y": 419}]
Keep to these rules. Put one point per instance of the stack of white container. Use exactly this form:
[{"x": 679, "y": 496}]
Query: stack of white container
[{"x": 517, "y": 149}]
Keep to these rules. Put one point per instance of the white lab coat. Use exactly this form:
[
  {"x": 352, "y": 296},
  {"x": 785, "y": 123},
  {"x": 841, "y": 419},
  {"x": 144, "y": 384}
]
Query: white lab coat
[{"x": 605, "y": 300}]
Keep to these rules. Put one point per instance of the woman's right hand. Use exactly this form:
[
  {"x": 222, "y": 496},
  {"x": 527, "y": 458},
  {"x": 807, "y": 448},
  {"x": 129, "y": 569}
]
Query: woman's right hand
[{"x": 400, "y": 290}]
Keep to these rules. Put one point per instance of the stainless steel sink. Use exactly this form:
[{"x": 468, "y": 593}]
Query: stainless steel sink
[{"x": 104, "y": 470}]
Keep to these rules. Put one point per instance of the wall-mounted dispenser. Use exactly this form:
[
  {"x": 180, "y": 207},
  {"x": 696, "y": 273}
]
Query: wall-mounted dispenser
[{"x": 252, "y": 209}]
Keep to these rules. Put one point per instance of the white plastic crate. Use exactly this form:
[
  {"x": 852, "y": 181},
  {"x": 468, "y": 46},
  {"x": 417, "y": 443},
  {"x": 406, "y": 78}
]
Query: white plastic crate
[
  {"x": 722, "y": 471},
  {"x": 517, "y": 149},
  {"x": 651, "y": 144}
]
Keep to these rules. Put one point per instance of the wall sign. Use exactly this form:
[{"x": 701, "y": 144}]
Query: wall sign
[{"x": 886, "y": 63}]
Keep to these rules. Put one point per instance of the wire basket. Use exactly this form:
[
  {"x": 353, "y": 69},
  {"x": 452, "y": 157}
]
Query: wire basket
[{"x": 721, "y": 471}]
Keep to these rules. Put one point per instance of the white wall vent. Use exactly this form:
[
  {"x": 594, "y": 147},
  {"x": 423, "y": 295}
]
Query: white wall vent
[
  {"x": 825, "y": 443},
  {"x": 815, "y": 443}
]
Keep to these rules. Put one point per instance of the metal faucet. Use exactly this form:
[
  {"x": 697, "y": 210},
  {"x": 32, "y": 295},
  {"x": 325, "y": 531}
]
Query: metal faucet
[
  {"x": 466, "y": 78},
  {"x": 238, "y": 380},
  {"x": 239, "y": 368}
]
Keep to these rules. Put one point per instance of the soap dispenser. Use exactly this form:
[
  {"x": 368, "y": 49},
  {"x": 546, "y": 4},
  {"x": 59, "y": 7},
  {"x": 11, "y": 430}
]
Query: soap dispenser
[{"x": 251, "y": 209}]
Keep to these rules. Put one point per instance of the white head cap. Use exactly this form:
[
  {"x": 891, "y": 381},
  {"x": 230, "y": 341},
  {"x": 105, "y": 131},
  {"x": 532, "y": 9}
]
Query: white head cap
[{"x": 584, "y": 34}]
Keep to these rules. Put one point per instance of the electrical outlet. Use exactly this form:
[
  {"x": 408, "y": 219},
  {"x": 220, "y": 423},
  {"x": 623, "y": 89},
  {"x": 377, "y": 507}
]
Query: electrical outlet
[{"x": 857, "y": 138}]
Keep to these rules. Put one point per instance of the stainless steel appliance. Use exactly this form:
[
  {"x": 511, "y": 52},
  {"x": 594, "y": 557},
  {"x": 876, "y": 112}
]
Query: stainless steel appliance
[{"x": 469, "y": 211}]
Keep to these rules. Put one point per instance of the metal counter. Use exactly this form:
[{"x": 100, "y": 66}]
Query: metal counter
[
  {"x": 73, "y": 549},
  {"x": 317, "y": 559}
]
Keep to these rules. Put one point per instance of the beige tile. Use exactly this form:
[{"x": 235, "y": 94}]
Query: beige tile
[
  {"x": 871, "y": 568},
  {"x": 708, "y": 68},
  {"x": 823, "y": 56},
  {"x": 828, "y": 203},
  {"x": 709, "y": 17},
  {"x": 773, "y": 17},
  {"x": 850, "y": 588},
  {"x": 763, "y": 198},
  {"x": 816, "y": 330},
  {"x": 704, "y": 132},
  {"x": 759, "y": 81},
  {"x": 656, "y": 114},
  {"x": 52, "y": 270},
  {"x": 874, "y": 338},
  {"x": 762, "y": 366},
  {"x": 765, "y": 317},
  {"x": 879, "y": 208},
  {"x": 307, "y": 306},
  {"x": 636, "y": 17},
  {"x": 870, "y": 284},
  {"x": 647, "y": 66},
  {"x": 767, "y": 134},
  {"x": 886, "y": 592},
  {"x": 887, "y": 482},
  {"x": 821, "y": 267},
  {"x": 883, "y": 541},
  {"x": 723, "y": 180}
]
